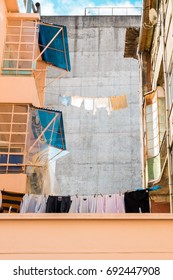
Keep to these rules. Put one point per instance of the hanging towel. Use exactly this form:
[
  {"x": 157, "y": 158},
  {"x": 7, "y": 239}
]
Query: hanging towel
[
  {"x": 102, "y": 102},
  {"x": 58, "y": 204},
  {"x": 76, "y": 101},
  {"x": 11, "y": 201},
  {"x": 118, "y": 102},
  {"x": 120, "y": 203},
  {"x": 65, "y": 100},
  {"x": 33, "y": 203},
  {"x": 0, "y": 199},
  {"x": 83, "y": 204},
  {"x": 88, "y": 103},
  {"x": 74, "y": 208},
  {"x": 110, "y": 205},
  {"x": 137, "y": 201},
  {"x": 41, "y": 204},
  {"x": 100, "y": 204},
  {"x": 25, "y": 203},
  {"x": 92, "y": 204}
]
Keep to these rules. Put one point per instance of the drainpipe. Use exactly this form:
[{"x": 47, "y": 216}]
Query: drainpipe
[
  {"x": 166, "y": 101},
  {"x": 142, "y": 120},
  {"x": 38, "y": 6}
]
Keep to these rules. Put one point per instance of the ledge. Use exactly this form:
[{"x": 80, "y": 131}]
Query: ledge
[
  {"x": 12, "y": 89},
  {"x": 87, "y": 216},
  {"x": 26, "y": 16}
]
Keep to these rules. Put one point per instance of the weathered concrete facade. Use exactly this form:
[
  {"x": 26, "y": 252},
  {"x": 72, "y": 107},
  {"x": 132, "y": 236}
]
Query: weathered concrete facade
[{"x": 104, "y": 149}]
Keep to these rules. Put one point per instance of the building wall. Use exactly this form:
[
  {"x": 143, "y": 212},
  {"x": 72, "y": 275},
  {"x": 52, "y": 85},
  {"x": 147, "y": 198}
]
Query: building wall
[
  {"x": 159, "y": 73},
  {"x": 104, "y": 149},
  {"x": 3, "y": 12},
  {"x": 80, "y": 237}
]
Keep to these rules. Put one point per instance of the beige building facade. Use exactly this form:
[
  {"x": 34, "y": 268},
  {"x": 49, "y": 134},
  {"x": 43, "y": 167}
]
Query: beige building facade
[{"x": 155, "y": 49}]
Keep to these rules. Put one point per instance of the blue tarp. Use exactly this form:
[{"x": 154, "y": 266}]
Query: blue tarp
[
  {"x": 54, "y": 134},
  {"x": 57, "y": 53}
]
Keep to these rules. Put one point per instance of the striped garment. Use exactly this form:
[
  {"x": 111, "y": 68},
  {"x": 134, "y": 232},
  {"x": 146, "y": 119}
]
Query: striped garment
[{"x": 11, "y": 201}]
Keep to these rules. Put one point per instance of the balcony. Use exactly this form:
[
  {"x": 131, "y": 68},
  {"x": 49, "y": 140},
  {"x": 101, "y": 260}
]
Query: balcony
[
  {"x": 21, "y": 46},
  {"x": 19, "y": 65}
]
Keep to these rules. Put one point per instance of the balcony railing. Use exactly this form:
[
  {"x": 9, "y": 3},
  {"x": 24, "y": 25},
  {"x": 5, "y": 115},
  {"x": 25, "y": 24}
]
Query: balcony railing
[
  {"x": 20, "y": 47},
  {"x": 113, "y": 11}
]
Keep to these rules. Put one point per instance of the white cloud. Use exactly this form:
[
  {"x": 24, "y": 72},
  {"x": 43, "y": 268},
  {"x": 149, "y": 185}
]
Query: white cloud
[
  {"x": 77, "y": 7},
  {"x": 64, "y": 7}
]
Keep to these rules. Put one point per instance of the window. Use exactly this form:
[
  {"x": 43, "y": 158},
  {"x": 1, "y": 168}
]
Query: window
[
  {"x": 13, "y": 137},
  {"x": 20, "y": 47},
  {"x": 156, "y": 139}
]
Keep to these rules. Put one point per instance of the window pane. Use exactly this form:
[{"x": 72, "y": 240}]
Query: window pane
[
  {"x": 16, "y": 159},
  {"x": 5, "y": 118},
  {"x": 19, "y": 118},
  {"x": 4, "y": 137},
  {"x": 15, "y": 148},
  {"x": 5, "y": 127},
  {"x": 18, "y": 138},
  {"x": 19, "y": 128},
  {"x": 5, "y": 107},
  {"x": 20, "y": 108}
]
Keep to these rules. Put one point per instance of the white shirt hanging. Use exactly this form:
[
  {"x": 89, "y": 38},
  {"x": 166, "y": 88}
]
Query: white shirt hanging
[
  {"x": 88, "y": 103},
  {"x": 110, "y": 205},
  {"x": 102, "y": 102},
  {"x": 99, "y": 204},
  {"x": 120, "y": 203},
  {"x": 76, "y": 101},
  {"x": 83, "y": 204},
  {"x": 74, "y": 208}
]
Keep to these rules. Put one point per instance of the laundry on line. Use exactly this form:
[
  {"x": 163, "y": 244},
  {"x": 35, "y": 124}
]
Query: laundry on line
[{"x": 112, "y": 103}]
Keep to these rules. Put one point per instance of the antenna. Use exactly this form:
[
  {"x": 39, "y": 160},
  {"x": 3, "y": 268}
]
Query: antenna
[{"x": 153, "y": 16}]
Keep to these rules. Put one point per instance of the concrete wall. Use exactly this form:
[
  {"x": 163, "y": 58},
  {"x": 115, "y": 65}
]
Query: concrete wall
[{"x": 104, "y": 150}]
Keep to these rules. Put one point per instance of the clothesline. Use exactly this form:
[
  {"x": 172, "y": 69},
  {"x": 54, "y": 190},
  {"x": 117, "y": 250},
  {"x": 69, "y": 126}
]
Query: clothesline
[
  {"x": 129, "y": 202},
  {"x": 111, "y": 103},
  {"x": 154, "y": 188}
]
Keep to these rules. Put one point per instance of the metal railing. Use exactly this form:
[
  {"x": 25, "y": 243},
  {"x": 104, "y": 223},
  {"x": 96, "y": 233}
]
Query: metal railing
[
  {"x": 20, "y": 47},
  {"x": 113, "y": 11}
]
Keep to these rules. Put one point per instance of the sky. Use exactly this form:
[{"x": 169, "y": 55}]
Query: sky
[{"x": 77, "y": 7}]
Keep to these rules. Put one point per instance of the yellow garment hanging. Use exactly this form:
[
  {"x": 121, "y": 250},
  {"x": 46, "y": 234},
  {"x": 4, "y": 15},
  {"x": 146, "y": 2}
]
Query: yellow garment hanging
[{"x": 118, "y": 102}]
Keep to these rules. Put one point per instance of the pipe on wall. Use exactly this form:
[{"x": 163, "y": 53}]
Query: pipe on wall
[{"x": 166, "y": 101}]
